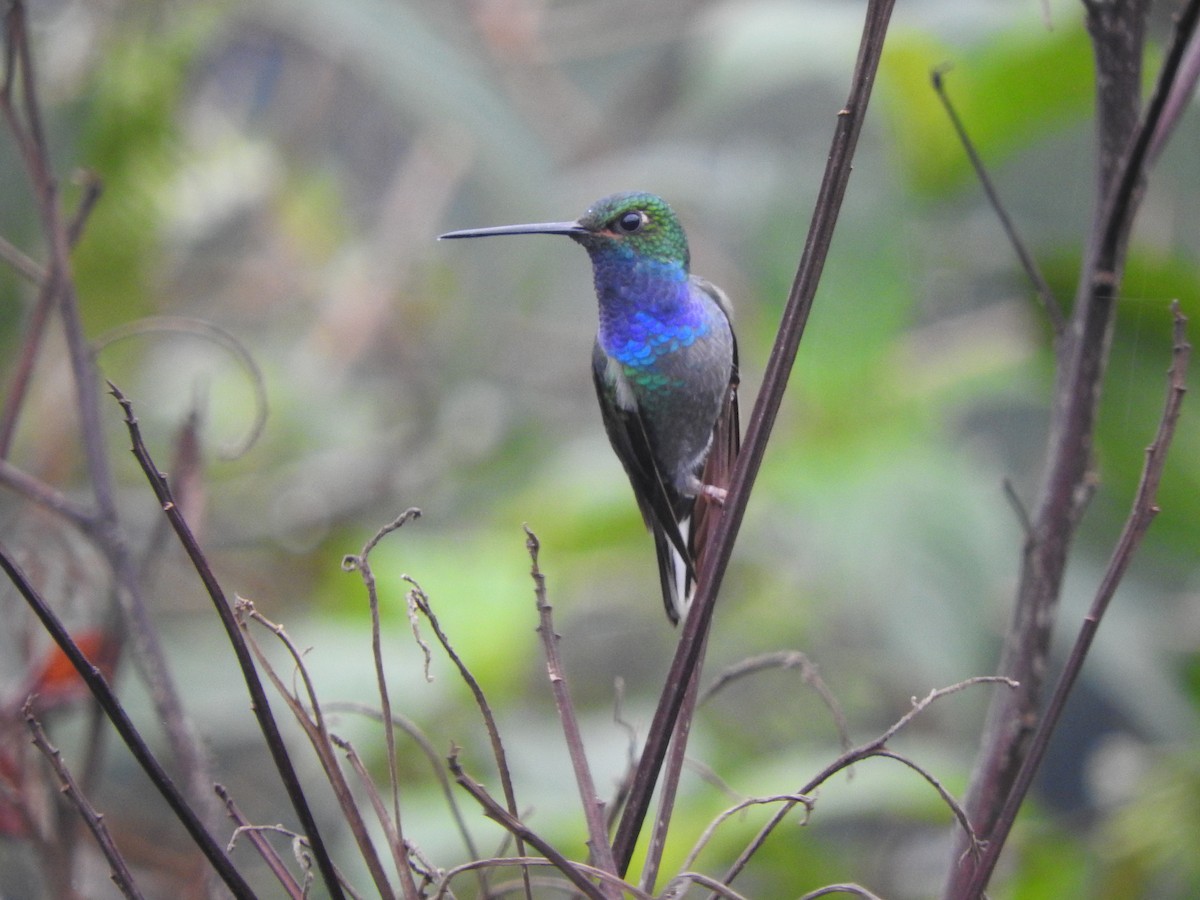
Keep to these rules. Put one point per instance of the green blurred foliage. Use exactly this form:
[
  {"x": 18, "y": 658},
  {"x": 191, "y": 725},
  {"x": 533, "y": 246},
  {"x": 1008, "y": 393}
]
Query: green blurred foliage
[
  {"x": 128, "y": 121},
  {"x": 1014, "y": 87},
  {"x": 281, "y": 171}
]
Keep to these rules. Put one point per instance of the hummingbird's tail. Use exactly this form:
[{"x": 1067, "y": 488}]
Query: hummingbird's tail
[{"x": 676, "y": 572}]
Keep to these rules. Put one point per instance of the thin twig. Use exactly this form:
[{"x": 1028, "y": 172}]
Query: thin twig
[
  {"x": 120, "y": 873},
  {"x": 259, "y": 703},
  {"x": 876, "y": 747},
  {"x": 679, "y": 884},
  {"x": 300, "y": 850},
  {"x": 317, "y": 734},
  {"x": 262, "y": 845},
  {"x": 785, "y": 659},
  {"x": 672, "y": 772},
  {"x": 125, "y": 728},
  {"x": 391, "y": 827},
  {"x": 24, "y": 265},
  {"x": 420, "y": 600},
  {"x": 762, "y": 420},
  {"x": 854, "y": 889},
  {"x": 215, "y": 334},
  {"x": 361, "y": 564},
  {"x": 1049, "y": 302},
  {"x": 442, "y": 888},
  {"x": 37, "y": 491},
  {"x": 435, "y": 761},
  {"x": 1141, "y": 515},
  {"x": 1018, "y": 508},
  {"x": 593, "y": 807},
  {"x": 974, "y": 845},
  {"x": 711, "y": 829},
  {"x": 576, "y": 873}
]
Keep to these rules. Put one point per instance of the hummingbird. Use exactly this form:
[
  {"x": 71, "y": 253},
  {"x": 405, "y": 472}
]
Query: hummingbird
[{"x": 665, "y": 370}]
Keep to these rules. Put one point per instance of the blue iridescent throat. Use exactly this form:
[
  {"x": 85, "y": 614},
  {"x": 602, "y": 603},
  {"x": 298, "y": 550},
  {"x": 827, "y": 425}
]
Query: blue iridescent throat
[{"x": 647, "y": 308}]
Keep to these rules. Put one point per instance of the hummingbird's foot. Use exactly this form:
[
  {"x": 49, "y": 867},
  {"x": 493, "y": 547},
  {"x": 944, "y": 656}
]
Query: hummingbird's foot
[{"x": 716, "y": 494}]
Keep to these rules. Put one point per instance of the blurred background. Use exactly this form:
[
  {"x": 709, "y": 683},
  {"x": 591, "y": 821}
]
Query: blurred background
[{"x": 281, "y": 169}]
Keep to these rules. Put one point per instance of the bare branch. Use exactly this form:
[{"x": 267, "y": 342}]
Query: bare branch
[
  {"x": 854, "y": 889},
  {"x": 391, "y": 827},
  {"x": 679, "y": 885},
  {"x": 57, "y": 292},
  {"x": 120, "y": 873},
  {"x": 706, "y": 835},
  {"x": 443, "y": 885},
  {"x": 673, "y": 771},
  {"x": 1145, "y": 508},
  {"x": 264, "y": 848},
  {"x": 37, "y": 491},
  {"x": 436, "y": 762},
  {"x": 215, "y": 334},
  {"x": 785, "y": 659},
  {"x": 593, "y": 807},
  {"x": 125, "y": 728},
  {"x": 420, "y": 600},
  {"x": 1124, "y": 143},
  {"x": 318, "y": 736},
  {"x": 519, "y": 830},
  {"x": 361, "y": 564},
  {"x": 259, "y": 703},
  {"x": 876, "y": 747},
  {"x": 1028, "y": 263}
]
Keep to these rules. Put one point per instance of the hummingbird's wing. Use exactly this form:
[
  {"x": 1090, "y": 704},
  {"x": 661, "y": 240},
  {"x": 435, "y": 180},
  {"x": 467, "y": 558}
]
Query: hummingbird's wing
[
  {"x": 718, "y": 468},
  {"x": 726, "y": 439},
  {"x": 665, "y": 511}
]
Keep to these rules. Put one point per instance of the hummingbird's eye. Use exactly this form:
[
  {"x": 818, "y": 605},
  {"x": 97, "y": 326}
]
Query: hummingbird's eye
[{"x": 631, "y": 222}]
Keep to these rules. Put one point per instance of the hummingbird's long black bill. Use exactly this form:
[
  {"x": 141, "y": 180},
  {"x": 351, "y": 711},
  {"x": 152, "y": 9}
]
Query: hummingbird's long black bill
[{"x": 567, "y": 228}]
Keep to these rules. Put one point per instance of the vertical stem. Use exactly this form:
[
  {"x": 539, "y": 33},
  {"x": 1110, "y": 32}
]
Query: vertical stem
[{"x": 1117, "y": 30}]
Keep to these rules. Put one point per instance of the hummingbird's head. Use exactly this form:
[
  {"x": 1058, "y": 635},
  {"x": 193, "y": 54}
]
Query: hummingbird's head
[
  {"x": 635, "y": 223},
  {"x": 621, "y": 228}
]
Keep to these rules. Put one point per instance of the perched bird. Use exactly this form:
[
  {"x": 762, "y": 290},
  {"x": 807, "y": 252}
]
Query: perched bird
[{"x": 665, "y": 369}]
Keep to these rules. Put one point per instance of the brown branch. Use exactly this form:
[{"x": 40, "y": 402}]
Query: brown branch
[
  {"x": 120, "y": 873},
  {"x": 669, "y": 783},
  {"x": 856, "y": 890},
  {"x": 261, "y": 844},
  {"x": 436, "y": 763},
  {"x": 762, "y": 420},
  {"x": 32, "y": 143},
  {"x": 442, "y": 888},
  {"x": 220, "y": 337},
  {"x": 785, "y": 659},
  {"x": 1124, "y": 144},
  {"x": 876, "y": 747},
  {"x": 418, "y": 598},
  {"x": 1028, "y": 263},
  {"x": 525, "y": 835},
  {"x": 259, "y": 703},
  {"x": 37, "y": 491},
  {"x": 1144, "y": 510},
  {"x": 318, "y": 736},
  {"x": 593, "y": 807},
  {"x": 391, "y": 826},
  {"x": 361, "y": 564},
  {"x": 682, "y": 880},
  {"x": 112, "y": 707},
  {"x": 710, "y": 830}
]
